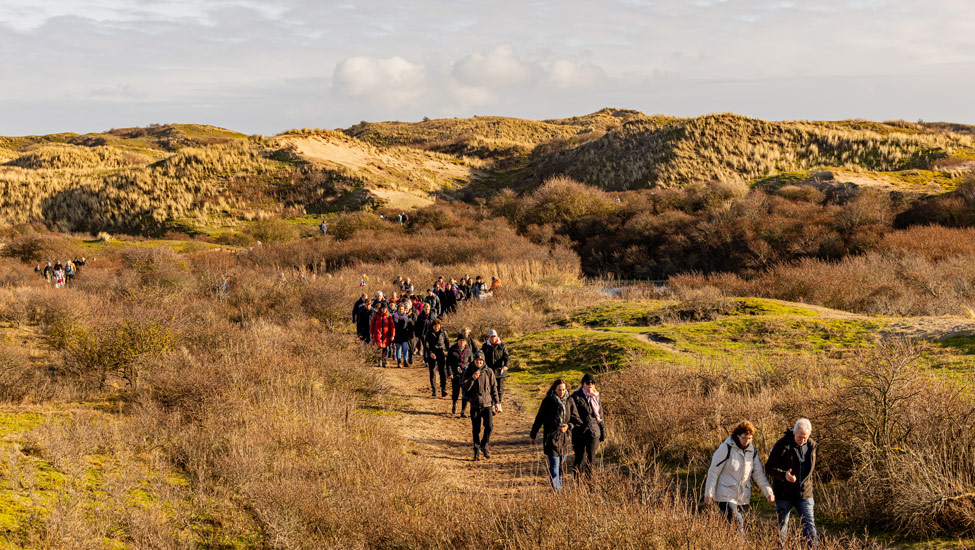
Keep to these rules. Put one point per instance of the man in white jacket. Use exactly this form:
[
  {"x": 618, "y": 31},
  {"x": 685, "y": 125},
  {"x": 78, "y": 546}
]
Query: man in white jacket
[{"x": 733, "y": 467}]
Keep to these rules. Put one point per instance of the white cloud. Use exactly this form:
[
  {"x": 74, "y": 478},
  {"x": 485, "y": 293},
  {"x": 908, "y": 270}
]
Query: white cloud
[
  {"x": 391, "y": 82},
  {"x": 497, "y": 67},
  {"x": 566, "y": 74}
]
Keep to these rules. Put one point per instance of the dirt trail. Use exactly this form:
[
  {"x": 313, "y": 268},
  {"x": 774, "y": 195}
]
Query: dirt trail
[{"x": 434, "y": 435}]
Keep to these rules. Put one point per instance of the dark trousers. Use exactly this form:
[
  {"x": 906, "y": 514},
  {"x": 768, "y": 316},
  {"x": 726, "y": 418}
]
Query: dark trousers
[
  {"x": 584, "y": 446},
  {"x": 413, "y": 347},
  {"x": 437, "y": 365},
  {"x": 479, "y": 416},
  {"x": 497, "y": 376},
  {"x": 455, "y": 393}
]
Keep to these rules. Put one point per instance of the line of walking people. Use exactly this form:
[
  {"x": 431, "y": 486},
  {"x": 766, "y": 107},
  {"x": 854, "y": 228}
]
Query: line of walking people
[{"x": 59, "y": 274}]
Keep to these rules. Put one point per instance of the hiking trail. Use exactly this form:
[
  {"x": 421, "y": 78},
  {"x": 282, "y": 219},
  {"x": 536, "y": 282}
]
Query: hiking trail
[{"x": 444, "y": 440}]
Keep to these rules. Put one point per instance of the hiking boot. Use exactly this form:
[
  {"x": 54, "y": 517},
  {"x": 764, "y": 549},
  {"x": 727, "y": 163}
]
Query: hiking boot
[
  {"x": 463, "y": 413},
  {"x": 398, "y": 364},
  {"x": 453, "y": 409},
  {"x": 485, "y": 452},
  {"x": 477, "y": 453},
  {"x": 435, "y": 393}
]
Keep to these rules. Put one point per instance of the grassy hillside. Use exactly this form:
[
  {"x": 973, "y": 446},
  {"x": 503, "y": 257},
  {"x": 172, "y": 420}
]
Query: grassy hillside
[
  {"x": 727, "y": 147},
  {"x": 140, "y": 180}
]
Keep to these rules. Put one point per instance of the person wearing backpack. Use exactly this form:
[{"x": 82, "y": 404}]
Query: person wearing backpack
[
  {"x": 459, "y": 358},
  {"x": 734, "y": 466},
  {"x": 556, "y": 416},
  {"x": 481, "y": 390}
]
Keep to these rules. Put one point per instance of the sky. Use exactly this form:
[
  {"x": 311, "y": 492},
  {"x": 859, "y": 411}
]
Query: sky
[{"x": 264, "y": 66}]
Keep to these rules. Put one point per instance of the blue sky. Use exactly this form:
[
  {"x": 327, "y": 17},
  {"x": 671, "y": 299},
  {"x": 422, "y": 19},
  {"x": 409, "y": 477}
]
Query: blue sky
[{"x": 263, "y": 66}]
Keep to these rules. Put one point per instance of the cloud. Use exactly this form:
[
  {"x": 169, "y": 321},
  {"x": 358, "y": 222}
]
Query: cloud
[
  {"x": 119, "y": 91},
  {"x": 391, "y": 82},
  {"x": 493, "y": 68},
  {"x": 567, "y": 74}
]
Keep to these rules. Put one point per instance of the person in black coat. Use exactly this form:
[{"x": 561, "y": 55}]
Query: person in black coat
[
  {"x": 496, "y": 356},
  {"x": 459, "y": 358},
  {"x": 361, "y": 303},
  {"x": 556, "y": 416},
  {"x": 435, "y": 354},
  {"x": 363, "y": 321},
  {"x": 591, "y": 429}
]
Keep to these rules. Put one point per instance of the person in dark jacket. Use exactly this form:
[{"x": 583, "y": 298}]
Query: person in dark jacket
[
  {"x": 434, "y": 302},
  {"x": 363, "y": 323},
  {"x": 481, "y": 390},
  {"x": 496, "y": 356},
  {"x": 790, "y": 465},
  {"x": 435, "y": 353},
  {"x": 402, "y": 336},
  {"x": 361, "y": 303},
  {"x": 458, "y": 359},
  {"x": 591, "y": 429},
  {"x": 556, "y": 416}
]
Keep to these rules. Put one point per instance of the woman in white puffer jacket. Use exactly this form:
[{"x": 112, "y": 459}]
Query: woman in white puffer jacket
[{"x": 733, "y": 467}]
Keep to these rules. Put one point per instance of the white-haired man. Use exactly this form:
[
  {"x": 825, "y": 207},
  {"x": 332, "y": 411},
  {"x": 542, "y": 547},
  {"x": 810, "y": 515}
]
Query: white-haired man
[{"x": 790, "y": 465}]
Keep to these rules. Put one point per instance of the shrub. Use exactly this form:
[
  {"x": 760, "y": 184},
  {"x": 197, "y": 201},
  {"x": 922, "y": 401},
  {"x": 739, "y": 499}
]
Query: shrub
[
  {"x": 272, "y": 231},
  {"x": 120, "y": 350},
  {"x": 41, "y": 247}
]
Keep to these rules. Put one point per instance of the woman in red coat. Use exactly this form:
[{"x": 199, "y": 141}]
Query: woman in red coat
[{"x": 383, "y": 328}]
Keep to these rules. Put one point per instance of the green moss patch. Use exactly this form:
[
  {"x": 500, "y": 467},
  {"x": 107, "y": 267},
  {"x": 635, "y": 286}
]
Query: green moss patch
[
  {"x": 771, "y": 335},
  {"x": 538, "y": 358}
]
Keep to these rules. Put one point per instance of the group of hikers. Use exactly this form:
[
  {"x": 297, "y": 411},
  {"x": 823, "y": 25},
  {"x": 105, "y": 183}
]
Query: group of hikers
[
  {"x": 406, "y": 325},
  {"x": 60, "y": 274}
]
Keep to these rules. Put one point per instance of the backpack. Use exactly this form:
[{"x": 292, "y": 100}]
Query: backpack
[{"x": 703, "y": 489}]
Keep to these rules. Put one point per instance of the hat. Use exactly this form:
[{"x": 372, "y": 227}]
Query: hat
[
  {"x": 588, "y": 378},
  {"x": 492, "y": 333},
  {"x": 461, "y": 336},
  {"x": 479, "y": 355}
]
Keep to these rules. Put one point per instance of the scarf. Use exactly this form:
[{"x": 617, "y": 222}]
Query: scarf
[
  {"x": 562, "y": 403},
  {"x": 593, "y": 399}
]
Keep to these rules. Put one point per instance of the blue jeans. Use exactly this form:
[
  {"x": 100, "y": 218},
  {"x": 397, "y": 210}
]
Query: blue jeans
[
  {"x": 733, "y": 513},
  {"x": 805, "y": 508},
  {"x": 402, "y": 351},
  {"x": 555, "y": 464}
]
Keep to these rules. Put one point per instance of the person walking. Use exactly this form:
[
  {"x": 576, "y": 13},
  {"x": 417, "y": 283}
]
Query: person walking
[
  {"x": 733, "y": 467},
  {"x": 481, "y": 390},
  {"x": 459, "y": 358},
  {"x": 434, "y": 302},
  {"x": 363, "y": 321},
  {"x": 382, "y": 331},
  {"x": 323, "y": 227},
  {"x": 790, "y": 465},
  {"x": 556, "y": 416},
  {"x": 404, "y": 332},
  {"x": 435, "y": 354},
  {"x": 591, "y": 429},
  {"x": 496, "y": 356},
  {"x": 48, "y": 272}
]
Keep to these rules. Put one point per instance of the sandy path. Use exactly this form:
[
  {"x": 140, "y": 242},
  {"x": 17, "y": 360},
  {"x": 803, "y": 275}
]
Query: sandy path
[{"x": 433, "y": 434}]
